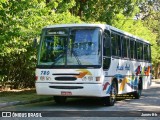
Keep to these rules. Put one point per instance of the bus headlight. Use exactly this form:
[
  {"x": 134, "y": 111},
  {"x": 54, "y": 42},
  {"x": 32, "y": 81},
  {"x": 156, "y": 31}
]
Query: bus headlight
[{"x": 90, "y": 78}]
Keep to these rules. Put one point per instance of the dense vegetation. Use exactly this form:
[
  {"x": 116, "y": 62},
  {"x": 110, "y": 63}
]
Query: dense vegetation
[{"x": 22, "y": 20}]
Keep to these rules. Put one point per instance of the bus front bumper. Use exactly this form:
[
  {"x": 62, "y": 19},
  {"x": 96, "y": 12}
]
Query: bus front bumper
[{"x": 85, "y": 90}]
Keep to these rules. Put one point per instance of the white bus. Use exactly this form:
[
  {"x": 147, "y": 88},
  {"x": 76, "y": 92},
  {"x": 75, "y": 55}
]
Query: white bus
[{"x": 91, "y": 60}]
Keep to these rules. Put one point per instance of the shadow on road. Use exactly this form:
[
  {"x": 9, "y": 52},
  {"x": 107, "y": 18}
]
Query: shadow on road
[
  {"x": 152, "y": 94},
  {"x": 83, "y": 102},
  {"x": 157, "y": 82}
]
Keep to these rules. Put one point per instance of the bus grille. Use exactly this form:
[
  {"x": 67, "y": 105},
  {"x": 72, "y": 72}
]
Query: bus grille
[
  {"x": 65, "y": 78},
  {"x": 67, "y": 87}
]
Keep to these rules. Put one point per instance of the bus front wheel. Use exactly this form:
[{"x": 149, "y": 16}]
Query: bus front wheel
[
  {"x": 60, "y": 99},
  {"x": 110, "y": 100}
]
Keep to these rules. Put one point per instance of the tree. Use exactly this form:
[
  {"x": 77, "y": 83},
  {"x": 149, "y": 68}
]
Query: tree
[
  {"x": 20, "y": 22},
  {"x": 102, "y": 10},
  {"x": 150, "y": 14}
]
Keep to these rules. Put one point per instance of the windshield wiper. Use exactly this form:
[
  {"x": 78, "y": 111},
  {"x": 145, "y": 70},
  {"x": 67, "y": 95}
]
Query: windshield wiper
[
  {"x": 76, "y": 56},
  {"x": 58, "y": 58}
]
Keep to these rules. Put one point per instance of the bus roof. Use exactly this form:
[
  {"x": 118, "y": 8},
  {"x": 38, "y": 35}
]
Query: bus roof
[
  {"x": 76, "y": 25},
  {"x": 102, "y": 26}
]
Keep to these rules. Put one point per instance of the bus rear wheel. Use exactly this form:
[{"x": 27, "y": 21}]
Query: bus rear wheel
[
  {"x": 137, "y": 94},
  {"x": 60, "y": 99},
  {"x": 110, "y": 101}
]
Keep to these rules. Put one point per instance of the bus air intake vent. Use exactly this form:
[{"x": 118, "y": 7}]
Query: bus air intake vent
[{"x": 65, "y": 78}]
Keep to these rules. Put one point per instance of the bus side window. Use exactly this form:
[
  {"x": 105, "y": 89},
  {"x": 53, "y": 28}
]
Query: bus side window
[
  {"x": 142, "y": 51},
  {"x": 139, "y": 51},
  {"x": 125, "y": 47},
  {"x": 106, "y": 50},
  {"x": 149, "y": 52},
  {"x": 119, "y": 45},
  {"x": 128, "y": 48},
  {"x": 132, "y": 48},
  {"x": 116, "y": 44},
  {"x": 135, "y": 50},
  {"x": 145, "y": 52},
  {"x": 113, "y": 38},
  {"x": 106, "y": 44}
]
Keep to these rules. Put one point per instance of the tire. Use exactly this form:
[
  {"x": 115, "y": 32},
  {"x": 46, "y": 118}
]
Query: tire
[
  {"x": 60, "y": 99},
  {"x": 110, "y": 100},
  {"x": 137, "y": 94}
]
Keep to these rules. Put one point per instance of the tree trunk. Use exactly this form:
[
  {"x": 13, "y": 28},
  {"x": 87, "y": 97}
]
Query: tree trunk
[{"x": 157, "y": 71}]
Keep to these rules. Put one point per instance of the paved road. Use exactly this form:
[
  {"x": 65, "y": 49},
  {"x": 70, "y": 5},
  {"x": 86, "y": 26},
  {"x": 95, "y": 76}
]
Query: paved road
[{"x": 149, "y": 101}]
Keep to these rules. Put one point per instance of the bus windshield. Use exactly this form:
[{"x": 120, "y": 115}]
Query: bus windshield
[{"x": 66, "y": 47}]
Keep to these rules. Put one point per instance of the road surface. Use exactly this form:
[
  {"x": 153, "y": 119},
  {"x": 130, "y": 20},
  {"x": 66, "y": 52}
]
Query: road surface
[{"x": 147, "y": 106}]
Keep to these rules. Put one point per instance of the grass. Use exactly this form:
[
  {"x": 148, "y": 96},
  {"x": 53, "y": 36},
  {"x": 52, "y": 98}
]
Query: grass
[{"x": 25, "y": 95}]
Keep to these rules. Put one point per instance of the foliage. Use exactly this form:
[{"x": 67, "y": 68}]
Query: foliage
[
  {"x": 102, "y": 10},
  {"x": 22, "y": 20},
  {"x": 150, "y": 14}
]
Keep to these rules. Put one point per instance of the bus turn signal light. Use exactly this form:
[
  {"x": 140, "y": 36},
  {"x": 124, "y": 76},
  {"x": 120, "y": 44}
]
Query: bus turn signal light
[
  {"x": 36, "y": 78},
  {"x": 98, "y": 78}
]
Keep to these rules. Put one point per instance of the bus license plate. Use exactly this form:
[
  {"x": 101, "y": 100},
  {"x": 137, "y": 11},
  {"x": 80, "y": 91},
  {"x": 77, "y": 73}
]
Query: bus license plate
[{"x": 66, "y": 93}]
